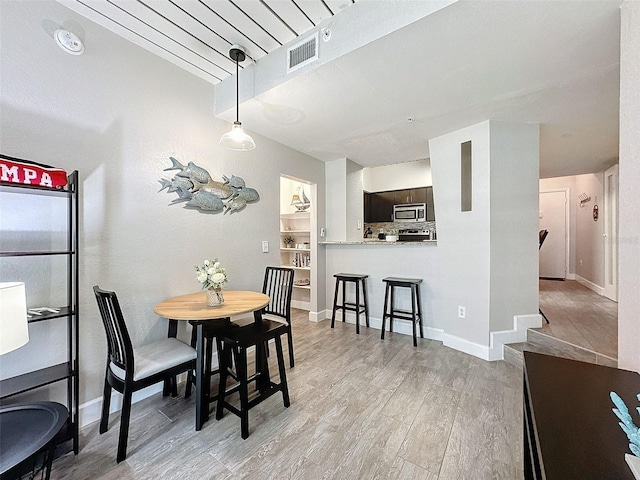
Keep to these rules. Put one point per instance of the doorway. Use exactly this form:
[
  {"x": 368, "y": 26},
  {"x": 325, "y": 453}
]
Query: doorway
[{"x": 554, "y": 217}]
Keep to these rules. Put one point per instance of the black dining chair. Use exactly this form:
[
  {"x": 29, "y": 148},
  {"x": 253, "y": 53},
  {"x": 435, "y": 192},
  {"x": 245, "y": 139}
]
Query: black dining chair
[
  {"x": 278, "y": 285},
  {"x": 130, "y": 368},
  {"x": 236, "y": 342},
  {"x": 542, "y": 235}
]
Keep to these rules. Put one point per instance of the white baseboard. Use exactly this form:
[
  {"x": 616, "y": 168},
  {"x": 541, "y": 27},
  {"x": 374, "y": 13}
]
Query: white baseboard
[
  {"x": 590, "y": 285},
  {"x": 571, "y": 276},
  {"x": 521, "y": 323},
  {"x": 91, "y": 411},
  {"x": 319, "y": 316}
]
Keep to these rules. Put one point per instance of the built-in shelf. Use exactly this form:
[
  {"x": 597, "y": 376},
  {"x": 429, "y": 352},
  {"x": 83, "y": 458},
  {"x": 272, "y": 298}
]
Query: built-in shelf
[{"x": 298, "y": 226}]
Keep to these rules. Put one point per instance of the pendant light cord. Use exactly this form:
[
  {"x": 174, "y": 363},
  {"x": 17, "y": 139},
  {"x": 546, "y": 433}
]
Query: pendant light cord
[{"x": 237, "y": 92}]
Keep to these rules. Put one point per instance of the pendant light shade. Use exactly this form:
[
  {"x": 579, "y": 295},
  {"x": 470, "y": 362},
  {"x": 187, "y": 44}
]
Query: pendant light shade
[{"x": 237, "y": 139}]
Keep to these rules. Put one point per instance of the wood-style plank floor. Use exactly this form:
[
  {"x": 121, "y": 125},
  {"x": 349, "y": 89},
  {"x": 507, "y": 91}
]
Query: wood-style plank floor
[
  {"x": 579, "y": 316},
  {"x": 361, "y": 408}
]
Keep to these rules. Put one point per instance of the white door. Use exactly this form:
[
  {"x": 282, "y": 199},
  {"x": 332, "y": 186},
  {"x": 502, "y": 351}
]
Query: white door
[
  {"x": 553, "y": 217},
  {"x": 610, "y": 218}
]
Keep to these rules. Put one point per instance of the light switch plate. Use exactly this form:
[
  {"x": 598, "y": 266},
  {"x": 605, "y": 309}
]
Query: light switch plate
[{"x": 265, "y": 246}]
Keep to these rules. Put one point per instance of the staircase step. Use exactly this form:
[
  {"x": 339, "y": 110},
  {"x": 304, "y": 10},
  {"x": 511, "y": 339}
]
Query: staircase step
[{"x": 542, "y": 343}]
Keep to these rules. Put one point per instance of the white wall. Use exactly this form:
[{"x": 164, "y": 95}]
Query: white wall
[
  {"x": 515, "y": 156},
  {"x": 589, "y": 240},
  {"x": 463, "y": 237},
  {"x": 336, "y": 195},
  {"x": 344, "y": 200},
  {"x": 488, "y": 256},
  {"x": 398, "y": 176},
  {"x": 116, "y": 114},
  {"x": 629, "y": 206},
  {"x": 585, "y": 235},
  {"x": 354, "y": 204}
]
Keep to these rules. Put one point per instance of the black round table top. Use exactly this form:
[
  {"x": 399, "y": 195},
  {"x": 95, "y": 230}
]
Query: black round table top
[{"x": 26, "y": 428}]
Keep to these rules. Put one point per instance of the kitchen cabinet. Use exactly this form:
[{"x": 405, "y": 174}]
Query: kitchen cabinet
[
  {"x": 431, "y": 213},
  {"x": 410, "y": 195},
  {"x": 380, "y": 207},
  {"x": 60, "y": 263}
]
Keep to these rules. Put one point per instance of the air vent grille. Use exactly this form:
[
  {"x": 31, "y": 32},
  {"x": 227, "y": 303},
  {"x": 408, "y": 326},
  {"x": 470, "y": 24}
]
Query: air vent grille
[{"x": 302, "y": 53}]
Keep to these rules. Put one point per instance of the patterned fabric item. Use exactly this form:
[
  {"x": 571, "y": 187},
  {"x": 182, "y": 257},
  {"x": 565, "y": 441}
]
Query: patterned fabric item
[{"x": 14, "y": 170}]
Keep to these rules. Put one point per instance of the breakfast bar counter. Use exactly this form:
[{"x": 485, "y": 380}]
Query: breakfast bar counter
[{"x": 397, "y": 243}]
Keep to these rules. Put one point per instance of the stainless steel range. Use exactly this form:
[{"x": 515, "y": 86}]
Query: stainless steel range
[{"x": 415, "y": 235}]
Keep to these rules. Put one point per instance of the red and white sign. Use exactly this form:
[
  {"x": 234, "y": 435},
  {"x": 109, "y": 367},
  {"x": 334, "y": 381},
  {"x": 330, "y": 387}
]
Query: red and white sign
[{"x": 13, "y": 170}]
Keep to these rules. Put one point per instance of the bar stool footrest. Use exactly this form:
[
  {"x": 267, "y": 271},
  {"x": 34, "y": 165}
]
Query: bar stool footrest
[{"x": 403, "y": 315}]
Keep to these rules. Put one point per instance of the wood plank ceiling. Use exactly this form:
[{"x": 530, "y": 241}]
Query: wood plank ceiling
[{"x": 197, "y": 34}]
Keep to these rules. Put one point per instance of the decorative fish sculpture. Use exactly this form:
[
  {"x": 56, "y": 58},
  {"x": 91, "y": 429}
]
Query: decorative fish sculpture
[
  {"x": 218, "y": 189},
  {"x": 234, "y": 182},
  {"x": 194, "y": 185},
  {"x": 192, "y": 171},
  {"x": 183, "y": 195},
  {"x": 248, "y": 193},
  {"x": 234, "y": 205},
  {"x": 175, "y": 183},
  {"x": 206, "y": 201}
]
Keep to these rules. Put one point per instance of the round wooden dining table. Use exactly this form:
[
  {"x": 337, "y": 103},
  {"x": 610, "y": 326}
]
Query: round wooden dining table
[{"x": 193, "y": 308}]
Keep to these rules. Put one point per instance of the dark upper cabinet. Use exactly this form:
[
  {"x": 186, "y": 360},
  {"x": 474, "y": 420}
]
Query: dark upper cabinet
[
  {"x": 431, "y": 213},
  {"x": 378, "y": 207},
  {"x": 366, "y": 201},
  {"x": 410, "y": 195}
]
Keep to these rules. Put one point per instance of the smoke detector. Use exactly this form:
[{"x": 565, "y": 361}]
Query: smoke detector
[{"x": 69, "y": 42}]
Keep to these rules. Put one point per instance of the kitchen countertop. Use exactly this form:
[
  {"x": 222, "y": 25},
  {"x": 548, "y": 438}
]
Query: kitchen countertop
[{"x": 379, "y": 242}]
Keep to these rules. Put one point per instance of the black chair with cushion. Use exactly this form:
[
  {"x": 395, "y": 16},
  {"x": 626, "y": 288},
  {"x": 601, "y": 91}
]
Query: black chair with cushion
[
  {"x": 278, "y": 285},
  {"x": 130, "y": 368},
  {"x": 542, "y": 234}
]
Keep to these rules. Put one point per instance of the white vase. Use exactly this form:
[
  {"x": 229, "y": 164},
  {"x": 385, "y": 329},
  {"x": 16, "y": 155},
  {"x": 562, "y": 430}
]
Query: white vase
[{"x": 215, "y": 297}]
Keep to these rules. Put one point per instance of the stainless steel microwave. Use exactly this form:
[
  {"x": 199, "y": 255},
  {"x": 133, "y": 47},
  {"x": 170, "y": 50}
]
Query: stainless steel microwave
[{"x": 412, "y": 212}]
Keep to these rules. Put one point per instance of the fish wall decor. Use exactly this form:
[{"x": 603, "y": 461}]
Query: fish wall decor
[{"x": 195, "y": 186}]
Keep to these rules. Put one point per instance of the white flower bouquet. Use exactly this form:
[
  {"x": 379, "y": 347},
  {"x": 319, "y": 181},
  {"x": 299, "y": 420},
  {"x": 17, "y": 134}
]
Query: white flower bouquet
[{"x": 211, "y": 275}]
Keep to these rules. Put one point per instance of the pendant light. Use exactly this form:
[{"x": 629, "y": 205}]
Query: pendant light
[{"x": 237, "y": 139}]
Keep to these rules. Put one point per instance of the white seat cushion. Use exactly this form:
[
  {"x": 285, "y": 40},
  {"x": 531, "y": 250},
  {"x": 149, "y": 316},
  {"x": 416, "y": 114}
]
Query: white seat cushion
[
  {"x": 275, "y": 318},
  {"x": 156, "y": 357}
]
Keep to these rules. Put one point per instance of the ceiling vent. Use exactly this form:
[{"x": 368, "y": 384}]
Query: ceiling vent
[{"x": 302, "y": 53}]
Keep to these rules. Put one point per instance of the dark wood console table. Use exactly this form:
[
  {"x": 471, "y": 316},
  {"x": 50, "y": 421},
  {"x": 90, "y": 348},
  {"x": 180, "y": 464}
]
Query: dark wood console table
[{"x": 570, "y": 430}]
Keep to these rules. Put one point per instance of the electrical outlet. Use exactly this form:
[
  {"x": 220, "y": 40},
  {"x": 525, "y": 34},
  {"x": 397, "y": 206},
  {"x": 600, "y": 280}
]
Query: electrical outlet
[
  {"x": 359, "y": 224},
  {"x": 462, "y": 312},
  {"x": 265, "y": 246}
]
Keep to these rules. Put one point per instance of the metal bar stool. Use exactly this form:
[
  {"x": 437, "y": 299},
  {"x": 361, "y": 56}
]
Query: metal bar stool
[
  {"x": 390, "y": 312},
  {"x": 357, "y": 307}
]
